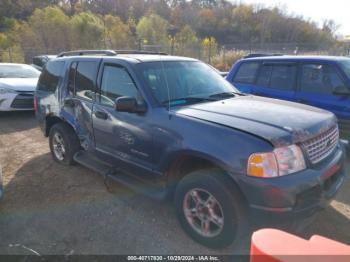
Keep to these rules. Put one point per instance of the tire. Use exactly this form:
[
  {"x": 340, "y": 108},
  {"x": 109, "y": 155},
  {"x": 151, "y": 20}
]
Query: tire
[
  {"x": 69, "y": 141},
  {"x": 230, "y": 202}
]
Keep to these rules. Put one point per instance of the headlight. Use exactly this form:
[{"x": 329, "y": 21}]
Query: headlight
[
  {"x": 282, "y": 161},
  {"x": 4, "y": 90}
]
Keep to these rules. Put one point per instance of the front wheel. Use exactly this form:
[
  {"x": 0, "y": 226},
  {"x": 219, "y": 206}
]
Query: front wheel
[{"x": 210, "y": 208}]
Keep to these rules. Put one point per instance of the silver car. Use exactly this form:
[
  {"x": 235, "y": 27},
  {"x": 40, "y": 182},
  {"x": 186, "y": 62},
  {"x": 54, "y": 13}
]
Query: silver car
[{"x": 17, "y": 86}]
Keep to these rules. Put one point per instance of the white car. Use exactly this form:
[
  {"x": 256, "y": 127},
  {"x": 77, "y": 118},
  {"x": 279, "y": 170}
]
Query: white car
[{"x": 17, "y": 86}]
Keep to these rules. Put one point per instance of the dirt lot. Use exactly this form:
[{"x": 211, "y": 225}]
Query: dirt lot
[{"x": 67, "y": 210}]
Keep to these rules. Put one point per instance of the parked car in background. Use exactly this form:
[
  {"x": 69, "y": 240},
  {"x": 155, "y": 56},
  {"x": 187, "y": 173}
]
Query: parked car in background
[
  {"x": 318, "y": 81},
  {"x": 40, "y": 61},
  {"x": 173, "y": 127},
  {"x": 223, "y": 74},
  {"x": 17, "y": 86}
]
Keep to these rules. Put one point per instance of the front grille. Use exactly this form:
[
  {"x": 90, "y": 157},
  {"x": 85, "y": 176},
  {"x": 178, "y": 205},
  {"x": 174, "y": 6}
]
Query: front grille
[
  {"x": 321, "y": 146},
  {"x": 23, "y": 101}
]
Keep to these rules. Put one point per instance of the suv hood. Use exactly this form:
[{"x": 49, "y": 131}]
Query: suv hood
[
  {"x": 19, "y": 84},
  {"x": 280, "y": 122}
]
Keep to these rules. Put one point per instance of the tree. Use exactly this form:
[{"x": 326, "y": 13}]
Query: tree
[
  {"x": 51, "y": 26},
  {"x": 117, "y": 34},
  {"x": 210, "y": 47},
  {"x": 153, "y": 29},
  {"x": 87, "y": 31},
  {"x": 46, "y": 30},
  {"x": 186, "y": 41},
  {"x": 206, "y": 23}
]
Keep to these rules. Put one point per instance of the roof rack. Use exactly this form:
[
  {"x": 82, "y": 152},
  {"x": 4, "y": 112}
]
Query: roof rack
[
  {"x": 88, "y": 52},
  {"x": 261, "y": 55},
  {"x": 139, "y": 52},
  {"x": 108, "y": 52}
]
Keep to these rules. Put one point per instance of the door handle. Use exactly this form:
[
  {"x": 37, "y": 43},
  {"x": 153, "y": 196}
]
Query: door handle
[{"x": 101, "y": 115}]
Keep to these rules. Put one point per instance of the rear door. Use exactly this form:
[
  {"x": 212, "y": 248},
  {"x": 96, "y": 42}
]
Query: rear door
[
  {"x": 79, "y": 98},
  {"x": 277, "y": 80},
  {"x": 316, "y": 84}
]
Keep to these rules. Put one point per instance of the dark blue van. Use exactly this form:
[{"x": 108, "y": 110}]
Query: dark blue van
[{"x": 320, "y": 81}]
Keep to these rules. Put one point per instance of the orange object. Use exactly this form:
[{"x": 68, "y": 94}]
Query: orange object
[{"x": 272, "y": 245}]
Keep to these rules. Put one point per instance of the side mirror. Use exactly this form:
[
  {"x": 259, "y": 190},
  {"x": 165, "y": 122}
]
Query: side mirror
[
  {"x": 129, "y": 104},
  {"x": 341, "y": 91}
]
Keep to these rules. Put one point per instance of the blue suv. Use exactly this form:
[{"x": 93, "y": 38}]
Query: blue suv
[
  {"x": 318, "y": 81},
  {"x": 173, "y": 127}
]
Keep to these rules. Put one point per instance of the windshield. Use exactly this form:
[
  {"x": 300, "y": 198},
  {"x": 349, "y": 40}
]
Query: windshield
[
  {"x": 187, "y": 82},
  {"x": 345, "y": 65},
  {"x": 18, "y": 71}
]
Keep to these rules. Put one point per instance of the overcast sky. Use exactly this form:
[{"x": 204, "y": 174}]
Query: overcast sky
[{"x": 317, "y": 10}]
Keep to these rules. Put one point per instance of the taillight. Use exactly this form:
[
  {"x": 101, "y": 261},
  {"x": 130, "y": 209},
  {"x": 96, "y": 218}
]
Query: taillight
[{"x": 35, "y": 104}]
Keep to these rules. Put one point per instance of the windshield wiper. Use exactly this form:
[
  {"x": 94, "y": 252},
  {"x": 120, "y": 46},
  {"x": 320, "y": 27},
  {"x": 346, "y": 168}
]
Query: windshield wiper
[
  {"x": 187, "y": 100},
  {"x": 226, "y": 95}
]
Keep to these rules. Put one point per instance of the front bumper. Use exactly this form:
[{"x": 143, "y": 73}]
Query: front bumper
[
  {"x": 17, "y": 101},
  {"x": 296, "y": 196}
]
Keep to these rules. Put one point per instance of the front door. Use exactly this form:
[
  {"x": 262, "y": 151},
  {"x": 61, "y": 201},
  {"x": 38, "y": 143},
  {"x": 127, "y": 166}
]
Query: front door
[
  {"x": 317, "y": 82},
  {"x": 124, "y": 139}
]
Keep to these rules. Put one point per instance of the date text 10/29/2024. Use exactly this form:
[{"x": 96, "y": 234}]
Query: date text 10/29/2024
[{"x": 173, "y": 258}]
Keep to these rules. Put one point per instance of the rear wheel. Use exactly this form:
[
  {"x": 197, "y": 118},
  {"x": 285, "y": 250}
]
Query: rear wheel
[
  {"x": 210, "y": 208},
  {"x": 64, "y": 143}
]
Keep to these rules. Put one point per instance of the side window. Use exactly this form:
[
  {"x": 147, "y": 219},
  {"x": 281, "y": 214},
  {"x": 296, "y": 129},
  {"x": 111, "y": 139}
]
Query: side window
[
  {"x": 116, "y": 82},
  {"x": 85, "y": 76},
  {"x": 71, "y": 78},
  {"x": 283, "y": 77},
  {"x": 264, "y": 76},
  {"x": 51, "y": 76},
  {"x": 318, "y": 78},
  {"x": 247, "y": 72}
]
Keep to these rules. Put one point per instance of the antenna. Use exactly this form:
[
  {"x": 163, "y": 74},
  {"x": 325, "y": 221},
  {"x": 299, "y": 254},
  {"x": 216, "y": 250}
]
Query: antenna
[{"x": 166, "y": 83}]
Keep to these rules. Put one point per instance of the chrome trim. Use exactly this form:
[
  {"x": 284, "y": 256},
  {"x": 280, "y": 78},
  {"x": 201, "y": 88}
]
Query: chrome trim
[{"x": 321, "y": 146}]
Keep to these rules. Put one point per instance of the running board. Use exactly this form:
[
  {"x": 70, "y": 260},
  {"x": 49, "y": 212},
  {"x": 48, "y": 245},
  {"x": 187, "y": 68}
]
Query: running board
[{"x": 108, "y": 171}]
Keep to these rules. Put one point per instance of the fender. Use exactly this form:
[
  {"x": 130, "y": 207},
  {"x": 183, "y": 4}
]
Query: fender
[{"x": 178, "y": 155}]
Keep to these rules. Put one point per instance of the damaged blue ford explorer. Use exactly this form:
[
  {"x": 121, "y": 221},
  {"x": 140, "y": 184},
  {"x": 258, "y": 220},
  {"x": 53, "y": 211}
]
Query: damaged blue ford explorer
[{"x": 172, "y": 127}]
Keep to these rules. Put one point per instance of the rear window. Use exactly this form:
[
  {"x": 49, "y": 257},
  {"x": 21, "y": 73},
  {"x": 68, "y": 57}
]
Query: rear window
[
  {"x": 345, "y": 65},
  {"x": 85, "y": 75},
  {"x": 18, "y": 71},
  {"x": 320, "y": 78},
  {"x": 51, "y": 76},
  {"x": 247, "y": 73}
]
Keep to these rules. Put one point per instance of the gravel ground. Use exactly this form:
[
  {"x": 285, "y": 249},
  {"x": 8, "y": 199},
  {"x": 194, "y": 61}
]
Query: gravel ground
[{"x": 59, "y": 210}]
